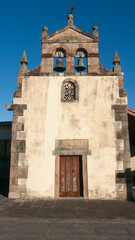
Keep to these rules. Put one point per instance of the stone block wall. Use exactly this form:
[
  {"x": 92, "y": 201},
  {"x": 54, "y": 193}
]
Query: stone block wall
[
  {"x": 123, "y": 163},
  {"x": 18, "y": 167}
]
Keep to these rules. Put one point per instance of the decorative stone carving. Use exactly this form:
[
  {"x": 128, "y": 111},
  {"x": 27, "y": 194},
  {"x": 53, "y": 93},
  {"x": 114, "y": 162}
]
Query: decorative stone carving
[{"x": 69, "y": 91}]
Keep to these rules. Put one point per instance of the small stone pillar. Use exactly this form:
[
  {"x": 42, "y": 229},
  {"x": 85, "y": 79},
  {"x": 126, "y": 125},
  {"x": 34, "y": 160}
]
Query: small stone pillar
[
  {"x": 116, "y": 62},
  {"x": 24, "y": 62},
  {"x": 70, "y": 63},
  {"x": 47, "y": 58},
  {"x": 93, "y": 57},
  {"x": 70, "y": 19},
  {"x": 95, "y": 32}
]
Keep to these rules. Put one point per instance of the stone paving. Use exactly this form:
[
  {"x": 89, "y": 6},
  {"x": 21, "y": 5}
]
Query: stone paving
[{"x": 66, "y": 219}]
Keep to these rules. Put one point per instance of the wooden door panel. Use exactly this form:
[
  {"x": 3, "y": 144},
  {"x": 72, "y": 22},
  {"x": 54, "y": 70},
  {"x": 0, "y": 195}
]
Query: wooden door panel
[
  {"x": 74, "y": 174},
  {"x": 62, "y": 178},
  {"x": 69, "y": 176}
]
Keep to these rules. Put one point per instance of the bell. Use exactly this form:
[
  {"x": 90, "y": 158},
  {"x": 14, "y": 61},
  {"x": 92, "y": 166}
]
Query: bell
[
  {"x": 59, "y": 65},
  {"x": 80, "y": 66}
]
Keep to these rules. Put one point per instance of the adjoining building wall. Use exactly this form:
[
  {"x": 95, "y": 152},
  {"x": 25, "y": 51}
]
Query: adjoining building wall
[
  {"x": 131, "y": 121},
  {"x": 5, "y": 143}
]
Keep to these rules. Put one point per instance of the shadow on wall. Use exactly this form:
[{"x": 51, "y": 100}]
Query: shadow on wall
[
  {"x": 126, "y": 178},
  {"x": 4, "y": 175},
  {"x": 4, "y": 167}
]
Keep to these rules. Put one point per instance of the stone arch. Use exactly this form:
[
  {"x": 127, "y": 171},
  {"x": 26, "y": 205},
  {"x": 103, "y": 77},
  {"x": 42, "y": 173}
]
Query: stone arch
[
  {"x": 61, "y": 51},
  {"x": 59, "y": 56},
  {"x": 81, "y": 53}
]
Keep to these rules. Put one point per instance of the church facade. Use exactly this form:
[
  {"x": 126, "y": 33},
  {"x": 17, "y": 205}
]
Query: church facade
[{"x": 70, "y": 128}]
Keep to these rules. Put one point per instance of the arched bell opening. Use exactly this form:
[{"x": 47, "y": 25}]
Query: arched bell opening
[
  {"x": 81, "y": 60},
  {"x": 60, "y": 60}
]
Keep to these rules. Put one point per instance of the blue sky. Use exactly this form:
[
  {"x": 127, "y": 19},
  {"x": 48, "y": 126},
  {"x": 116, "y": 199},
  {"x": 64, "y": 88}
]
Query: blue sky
[{"x": 21, "y": 25}]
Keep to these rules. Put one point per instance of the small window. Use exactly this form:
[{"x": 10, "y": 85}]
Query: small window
[{"x": 69, "y": 91}]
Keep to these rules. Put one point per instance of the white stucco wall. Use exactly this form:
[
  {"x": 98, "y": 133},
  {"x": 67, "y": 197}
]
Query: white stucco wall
[{"x": 47, "y": 119}]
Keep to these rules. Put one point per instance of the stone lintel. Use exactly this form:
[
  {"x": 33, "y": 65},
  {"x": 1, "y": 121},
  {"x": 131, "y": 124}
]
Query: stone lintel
[
  {"x": 71, "y": 147},
  {"x": 70, "y": 144},
  {"x": 71, "y": 152}
]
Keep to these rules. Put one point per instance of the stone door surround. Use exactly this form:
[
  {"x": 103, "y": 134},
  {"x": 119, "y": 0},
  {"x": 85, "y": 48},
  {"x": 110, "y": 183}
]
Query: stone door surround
[{"x": 67, "y": 147}]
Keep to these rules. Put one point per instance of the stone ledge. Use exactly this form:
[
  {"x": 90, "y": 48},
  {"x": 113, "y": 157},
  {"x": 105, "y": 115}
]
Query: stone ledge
[{"x": 18, "y": 107}]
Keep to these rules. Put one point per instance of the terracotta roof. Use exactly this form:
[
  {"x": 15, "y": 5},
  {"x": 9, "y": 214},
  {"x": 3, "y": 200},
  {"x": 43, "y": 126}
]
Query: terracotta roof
[{"x": 131, "y": 111}]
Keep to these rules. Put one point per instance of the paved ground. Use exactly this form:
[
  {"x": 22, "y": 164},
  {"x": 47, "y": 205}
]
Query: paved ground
[{"x": 66, "y": 219}]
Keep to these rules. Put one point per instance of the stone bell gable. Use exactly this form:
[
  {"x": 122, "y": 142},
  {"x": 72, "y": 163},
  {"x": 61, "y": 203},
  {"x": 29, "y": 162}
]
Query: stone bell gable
[
  {"x": 70, "y": 128},
  {"x": 69, "y": 38}
]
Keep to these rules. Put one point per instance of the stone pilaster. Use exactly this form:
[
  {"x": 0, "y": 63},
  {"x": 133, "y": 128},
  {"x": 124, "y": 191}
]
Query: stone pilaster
[
  {"x": 18, "y": 172},
  {"x": 93, "y": 62},
  {"x": 123, "y": 165},
  {"x": 47, "y": 63},
  {"x": 70, "y": 68}
]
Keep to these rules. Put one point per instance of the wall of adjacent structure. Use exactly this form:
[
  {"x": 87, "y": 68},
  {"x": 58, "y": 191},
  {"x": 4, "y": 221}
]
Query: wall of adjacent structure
[
  {"x": 5, "y": 142},
  {"x": 48, "y": 119}
]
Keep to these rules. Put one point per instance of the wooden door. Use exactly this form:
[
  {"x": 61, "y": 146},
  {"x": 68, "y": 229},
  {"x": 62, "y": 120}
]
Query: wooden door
[{"x": 69, "y": 176}]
